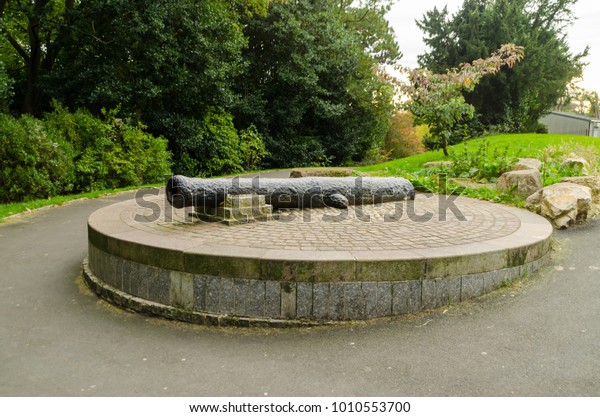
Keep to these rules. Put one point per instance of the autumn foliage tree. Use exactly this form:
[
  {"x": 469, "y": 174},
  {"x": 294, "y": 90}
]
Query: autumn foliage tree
[
  {"x": 437, "y": 100},
  {"x": 402, "y": 138}
]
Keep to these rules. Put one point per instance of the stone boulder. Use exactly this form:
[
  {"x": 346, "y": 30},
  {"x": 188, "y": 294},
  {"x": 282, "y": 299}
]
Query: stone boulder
[
  {"x": 591, "y": 181},
  {"x": 577, "y": 163},
  {"x": 524, "y": 182},
  {"x": 564, "y": 204},
  {"x": 527, "y": 163}
]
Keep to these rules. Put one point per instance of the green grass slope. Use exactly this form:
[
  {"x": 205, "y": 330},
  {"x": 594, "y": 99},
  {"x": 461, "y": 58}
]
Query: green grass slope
[{"x": 521, "y": 145}]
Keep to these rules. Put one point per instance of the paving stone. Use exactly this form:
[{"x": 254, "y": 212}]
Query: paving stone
[
  {"x": 129, "y": 280},
  {"x": 212, "y": 294},
  {"x": 472, "y": 286},
  {"x": 304, "y": 300},
  {"x": 354, "y": 301},
  {"x": 118, "y": 282},
  {"x": 288, "y": 300},
  {"x": 451, "y": 289},
  {"x": 200, "y": 293},
  {"x": 272, "y": 299},
  {"x": 226, "y": 296},
  {"x": 240, "y": 290},
  {"x": 255, "y": 303},
  {"x": 162, "y": 288},
  {"x": 146, "y": 276},
  {"x": 181, "y": 290},
  {"x": 384, "y": 299},
  {"x": 369, "y": 290},
  {"x": 429, "y": 297},
  {"x": 321, "y": 300},
  {"x": 336, "y": 301}
]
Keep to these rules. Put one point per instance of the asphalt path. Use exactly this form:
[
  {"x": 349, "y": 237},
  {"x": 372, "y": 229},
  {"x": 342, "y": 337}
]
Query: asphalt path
[{"x": 540, "y": 337}]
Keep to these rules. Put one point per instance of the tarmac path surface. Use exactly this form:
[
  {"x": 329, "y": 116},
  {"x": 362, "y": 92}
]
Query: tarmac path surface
[{"x": 540, "y": 337}]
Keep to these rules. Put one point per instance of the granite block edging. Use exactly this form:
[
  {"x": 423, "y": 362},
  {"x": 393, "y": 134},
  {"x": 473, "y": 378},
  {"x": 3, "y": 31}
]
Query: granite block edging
[{"x": 250, "y": 302}]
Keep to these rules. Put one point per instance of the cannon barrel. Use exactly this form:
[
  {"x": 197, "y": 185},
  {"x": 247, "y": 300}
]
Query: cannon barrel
[{"x": 308, "y": 192}]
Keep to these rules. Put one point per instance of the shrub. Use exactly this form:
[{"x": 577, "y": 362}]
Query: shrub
[
  {"x": 252, "y": 148},
  {"x": 553, "y": 156},
  {"x": 205, "y": 147},
  {"x": 110, "y": 152},
  {"x": 481, "y": 163},
  {"x": 402, "y": 138},
  {"x": 36, "y": 163},
  {"x": 219, "y": 145}
]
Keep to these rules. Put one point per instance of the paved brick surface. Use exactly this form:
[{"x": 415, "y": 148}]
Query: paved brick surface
[{"x": 428, "y": 222}]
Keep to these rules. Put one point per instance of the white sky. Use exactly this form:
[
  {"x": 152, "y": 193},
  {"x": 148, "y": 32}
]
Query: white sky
[{"x": 585, "y": 31}]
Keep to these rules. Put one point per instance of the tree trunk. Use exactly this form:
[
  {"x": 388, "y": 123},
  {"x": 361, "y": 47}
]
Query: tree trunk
[
  {"x": 445, "y": 146},
  {"x": 33, "y": 94}
]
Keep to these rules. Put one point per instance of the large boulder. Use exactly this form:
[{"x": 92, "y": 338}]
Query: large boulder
[
  {"x": 524, "y": 182},
  {"x": 591, "y": 181},
  {"x": 527, "y": 163},
  {"x": 564, "y": 204},
  {"x": 577, "y": 163}
]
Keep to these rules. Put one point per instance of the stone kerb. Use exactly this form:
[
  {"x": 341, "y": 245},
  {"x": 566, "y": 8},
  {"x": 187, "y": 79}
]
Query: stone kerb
[{"x": 172, "y": 272}]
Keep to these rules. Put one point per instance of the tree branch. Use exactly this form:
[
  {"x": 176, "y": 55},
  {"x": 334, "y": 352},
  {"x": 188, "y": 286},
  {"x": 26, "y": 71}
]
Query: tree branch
[{"x": 16, "y": 45}]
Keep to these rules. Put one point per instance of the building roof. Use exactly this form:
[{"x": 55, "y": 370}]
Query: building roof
[{"x": 574, "y": 116}]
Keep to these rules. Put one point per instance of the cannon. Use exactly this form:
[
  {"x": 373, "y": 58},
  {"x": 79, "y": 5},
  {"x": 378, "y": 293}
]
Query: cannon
[{"x": 289, "y": 193}]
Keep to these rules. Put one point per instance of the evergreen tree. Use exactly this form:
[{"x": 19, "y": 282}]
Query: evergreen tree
[
  {"x": 311, "y": 87},
  {"x": 516, "y": 98}
]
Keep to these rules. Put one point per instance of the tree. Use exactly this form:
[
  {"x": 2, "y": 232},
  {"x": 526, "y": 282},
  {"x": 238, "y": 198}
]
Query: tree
[
  {"x": 402, "y": 138},
  {"x": 517, "y": 97},
  {"x": 579, "y": 100},
  {"x": 169, "y": 65},
  {"x": 436, "y": 100},
  {"x": 311, "y": 86},
  {"x": 6, "y": 85},
  {"x": 32, "y": 32}
]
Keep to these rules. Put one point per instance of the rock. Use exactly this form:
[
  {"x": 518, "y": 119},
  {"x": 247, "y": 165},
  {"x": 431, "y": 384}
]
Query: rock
[
  {"x": 527, "y": 163},
  {"x": 524, "y": 182},
  {"x": 591, "y": 181},
  {"x": 577, "y": 163},
  {"x": 437, "y": 164},
  {"x": 321, "y": 172},
  {"x": 564, "y": 204}
]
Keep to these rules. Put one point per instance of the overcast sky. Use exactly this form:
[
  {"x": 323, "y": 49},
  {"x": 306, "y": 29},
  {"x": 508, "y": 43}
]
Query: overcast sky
[{"x": 585, "y": 31}]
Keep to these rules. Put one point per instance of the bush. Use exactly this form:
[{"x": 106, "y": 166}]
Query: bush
[
  {"x": 206, "y": 147},
  {"x": 110, "y": 152},
  {"x": 252, "y": 148},
  {"x": 219, "y": 145},
  {"x": 553, "y": 156},
  {"x": 36, "y": 163},
  {"x": 402, "y": 138},
  {"x": 484, "y": 163}
]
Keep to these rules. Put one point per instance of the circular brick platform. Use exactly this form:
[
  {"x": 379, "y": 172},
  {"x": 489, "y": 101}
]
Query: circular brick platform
[{"x": 309, "y": 266}]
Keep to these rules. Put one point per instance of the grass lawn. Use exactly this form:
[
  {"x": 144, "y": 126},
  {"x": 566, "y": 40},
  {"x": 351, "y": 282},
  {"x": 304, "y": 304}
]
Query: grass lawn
[
  {"x": 16, "y": 208},
  {"x": 522, "y": 145}
]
